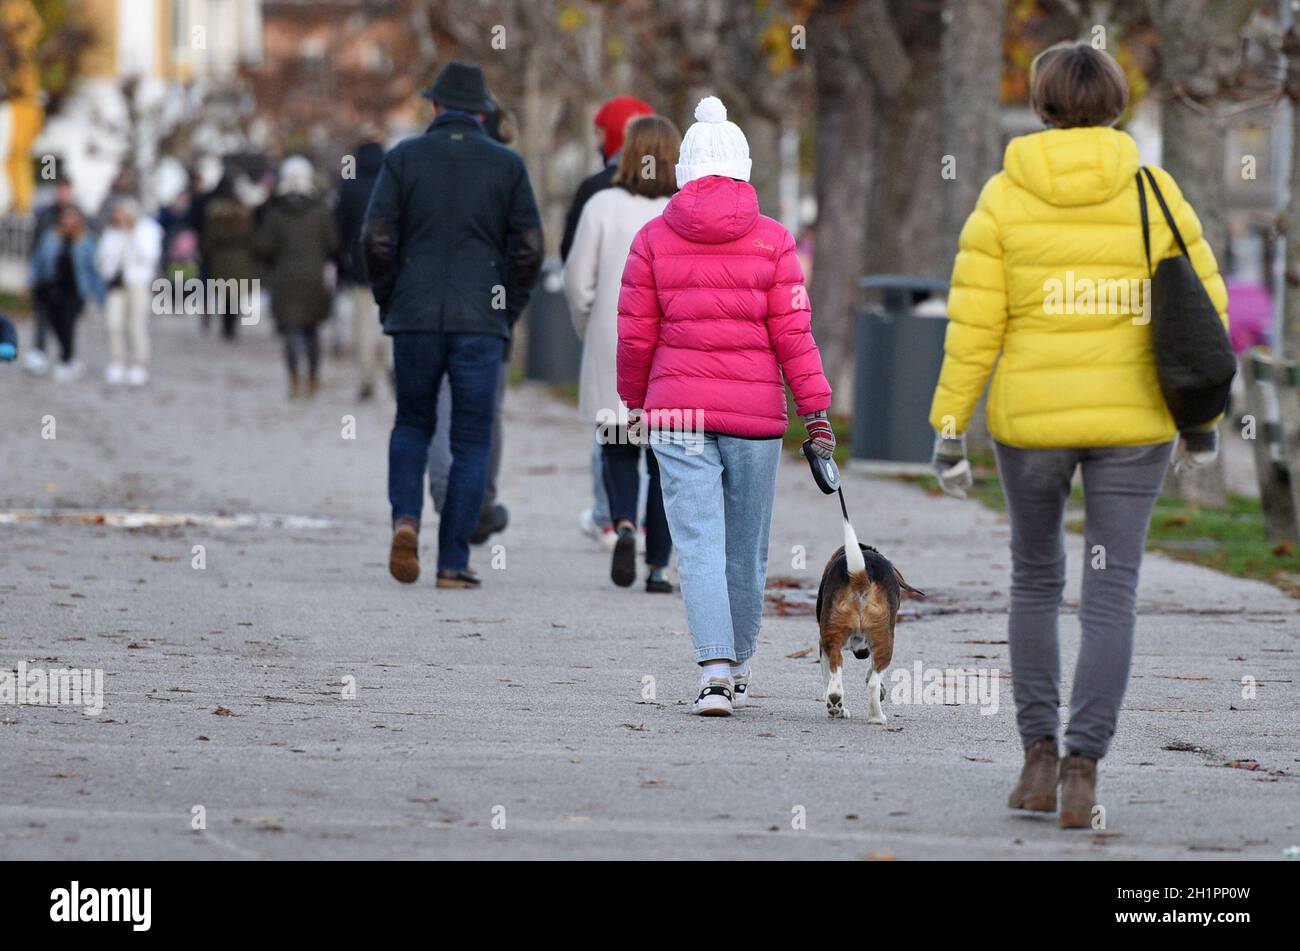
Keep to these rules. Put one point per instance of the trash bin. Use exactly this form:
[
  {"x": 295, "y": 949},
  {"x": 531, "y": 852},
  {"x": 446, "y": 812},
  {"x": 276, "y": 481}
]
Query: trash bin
[
  {"x": 554, "y": 350},
  {"x": 899, "y": 353}
]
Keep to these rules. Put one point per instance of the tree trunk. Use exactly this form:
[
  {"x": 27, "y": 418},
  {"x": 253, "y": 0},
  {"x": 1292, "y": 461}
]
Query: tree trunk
[
  {"x": 972, "y": 85},
  {"x": 903, "y": 223},
  {"x": 844, "y": 119},
  {"x": 1286, "y": 350},
  {"x": 1197, "y": 50},
  {"x": 973, "y": 32}
]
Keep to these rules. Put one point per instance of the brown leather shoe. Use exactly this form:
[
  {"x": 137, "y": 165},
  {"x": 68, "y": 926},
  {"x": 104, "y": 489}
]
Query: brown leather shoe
[
  {"x": 404, "y": 556},
  {"x": 1036, "y": 790},
  {"x": 1078, "y": 791},
  {"x": 458, "y": 579}
]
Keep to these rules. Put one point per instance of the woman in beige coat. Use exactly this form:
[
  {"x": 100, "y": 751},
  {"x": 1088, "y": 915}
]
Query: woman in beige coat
[{"x": 592, "y": 279}]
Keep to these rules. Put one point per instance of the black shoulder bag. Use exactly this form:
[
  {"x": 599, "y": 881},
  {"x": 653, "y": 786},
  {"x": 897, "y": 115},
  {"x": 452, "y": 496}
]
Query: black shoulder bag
[{"x": 1194, "y": 358}]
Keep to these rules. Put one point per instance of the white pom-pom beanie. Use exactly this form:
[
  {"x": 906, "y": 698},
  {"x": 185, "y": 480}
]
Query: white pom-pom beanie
[{"x": 713, "y": 146}]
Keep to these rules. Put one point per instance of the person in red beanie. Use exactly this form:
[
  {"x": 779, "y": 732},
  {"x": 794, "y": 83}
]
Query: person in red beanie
[{"x": 611, "y": 120}]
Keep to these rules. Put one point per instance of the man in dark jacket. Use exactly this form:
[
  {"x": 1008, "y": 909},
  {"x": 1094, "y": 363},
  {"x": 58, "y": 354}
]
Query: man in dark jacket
[
  {"x": 453, "y": 245},
  {"x": 373, "y": 348}
]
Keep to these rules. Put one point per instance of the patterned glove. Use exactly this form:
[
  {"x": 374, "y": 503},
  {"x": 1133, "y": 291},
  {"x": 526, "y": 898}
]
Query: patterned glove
[
  {"x": 1197, "y": 448},
  {"x": 821, "y": 434},
  {"x": 951, "y": 465}
]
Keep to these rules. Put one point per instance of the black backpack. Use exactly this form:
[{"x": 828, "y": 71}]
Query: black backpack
[{"x": 1194, "y": 358}]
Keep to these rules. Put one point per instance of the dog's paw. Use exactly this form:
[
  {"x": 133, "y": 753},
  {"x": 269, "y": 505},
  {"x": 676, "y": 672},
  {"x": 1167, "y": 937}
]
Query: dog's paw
[
  {"x": 877, "y": 718},
  {"x": 835, "y": 708}
]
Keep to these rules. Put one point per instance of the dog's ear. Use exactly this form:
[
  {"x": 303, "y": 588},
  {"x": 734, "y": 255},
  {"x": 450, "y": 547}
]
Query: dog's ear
[{"x": 907, "y": 589}]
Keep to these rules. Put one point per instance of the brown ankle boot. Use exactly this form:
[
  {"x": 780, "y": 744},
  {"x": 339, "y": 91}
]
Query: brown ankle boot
[
  {"x": 1036, "y": 790},
  {"x": 1078, "y": 791},
  {"x": 404, "y": 556}
]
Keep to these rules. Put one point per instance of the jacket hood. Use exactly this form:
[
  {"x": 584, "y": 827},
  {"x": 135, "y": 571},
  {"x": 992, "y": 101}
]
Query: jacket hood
[
  {"x": 1068, "y": 167},
  {"x": 713, "y": 210}
]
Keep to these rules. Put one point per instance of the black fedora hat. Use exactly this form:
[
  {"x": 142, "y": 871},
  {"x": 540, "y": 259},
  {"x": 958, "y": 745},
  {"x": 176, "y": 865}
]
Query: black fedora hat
[{"x": 460, "y": 86}]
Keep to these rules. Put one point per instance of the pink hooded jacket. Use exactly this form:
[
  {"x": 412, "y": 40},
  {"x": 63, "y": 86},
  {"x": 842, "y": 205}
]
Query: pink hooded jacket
[{"x": 712, "y": 311}]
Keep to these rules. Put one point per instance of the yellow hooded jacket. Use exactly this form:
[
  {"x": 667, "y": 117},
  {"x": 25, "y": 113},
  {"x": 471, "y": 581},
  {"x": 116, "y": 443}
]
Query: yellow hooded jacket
[{"x": 1049, "y": 285}]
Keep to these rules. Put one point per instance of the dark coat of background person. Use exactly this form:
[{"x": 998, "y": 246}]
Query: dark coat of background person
[
  {"x": 452, "y": 219},
  {"x": 295, "y": 240},
  {"x": 590, "y": 185},
  {"x": 350, "y": 212},
  {"x": 226, "y": 239}
]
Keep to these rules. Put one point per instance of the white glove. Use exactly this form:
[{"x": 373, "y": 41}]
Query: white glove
[
  {"x": 951, "y": 466},
  {"x": 1197, "y": 448}
]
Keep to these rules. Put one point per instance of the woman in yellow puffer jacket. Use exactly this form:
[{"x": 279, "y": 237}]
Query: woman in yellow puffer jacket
[{"x": 1050, "y": 285}]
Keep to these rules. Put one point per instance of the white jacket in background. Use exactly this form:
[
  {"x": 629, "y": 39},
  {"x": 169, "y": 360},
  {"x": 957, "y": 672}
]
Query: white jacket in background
[
  {"x": 593, "y": 275},
  {"x": 135, "y": 253}
]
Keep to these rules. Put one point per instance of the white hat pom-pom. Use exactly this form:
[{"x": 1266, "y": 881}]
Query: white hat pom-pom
[{"x": 710, "y": 109}]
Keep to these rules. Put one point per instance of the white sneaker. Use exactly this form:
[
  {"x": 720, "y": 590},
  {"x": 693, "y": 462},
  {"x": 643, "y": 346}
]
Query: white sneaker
[
  {"x": 740, "y": 688},
  {"x": 67, "y": 372},
  {"x": 603, "y": 534},
  {"x": 137, "y": 376},
  {"x": 115, "y": 374},
  {"x": 715, "y": 698},
  {"x": 35, "y": 362}
]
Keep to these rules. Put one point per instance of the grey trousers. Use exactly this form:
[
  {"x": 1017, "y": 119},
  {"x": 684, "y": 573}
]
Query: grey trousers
[
  {"x": 1120, "y": 486},
  {"x": 440, "y": 446}
]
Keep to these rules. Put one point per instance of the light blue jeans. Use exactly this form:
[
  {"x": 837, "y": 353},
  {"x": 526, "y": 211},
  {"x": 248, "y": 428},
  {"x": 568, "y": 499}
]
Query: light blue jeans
[{"x": 718, "y": 493}]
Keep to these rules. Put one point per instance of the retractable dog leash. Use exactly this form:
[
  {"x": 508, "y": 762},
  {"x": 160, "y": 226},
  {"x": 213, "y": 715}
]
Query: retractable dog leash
[{"x": 827, "y": 476}]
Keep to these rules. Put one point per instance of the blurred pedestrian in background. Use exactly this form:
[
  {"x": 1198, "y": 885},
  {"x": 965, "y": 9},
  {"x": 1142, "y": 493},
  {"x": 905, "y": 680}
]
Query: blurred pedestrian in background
[
  {"x": 47, "y": 219},
  {"x": 640, "y": 190},
  {"x": 1070, "y": 391},
  {"x": 453, "y": 246},
  {"x": 179, "y": 219},
  {"x": 374, "y": 351},
  {"x": 127, "y": 258},
  {"x": 64, "y": 280},
  {"x": 8, "y": 339},
  {"x": 226, "y": 246},
  {"x": 610, "y": 121},
  {"x": 713, "y": 323},
  {"x": 298, "y": 243},
  {"x": 122, "y": 186}
]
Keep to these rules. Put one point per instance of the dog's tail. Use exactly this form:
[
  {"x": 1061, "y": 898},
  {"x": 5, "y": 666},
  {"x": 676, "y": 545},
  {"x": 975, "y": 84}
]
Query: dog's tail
[{"x": 852, "y": 552}]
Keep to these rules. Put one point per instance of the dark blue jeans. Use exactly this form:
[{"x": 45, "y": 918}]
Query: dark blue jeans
[
  {"x": 473, "y": 363},
  {"x": 621, "y": 459}
]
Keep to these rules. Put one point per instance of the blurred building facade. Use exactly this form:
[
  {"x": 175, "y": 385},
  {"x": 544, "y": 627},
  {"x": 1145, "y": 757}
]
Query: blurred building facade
[{"x": 138, "y": 78}]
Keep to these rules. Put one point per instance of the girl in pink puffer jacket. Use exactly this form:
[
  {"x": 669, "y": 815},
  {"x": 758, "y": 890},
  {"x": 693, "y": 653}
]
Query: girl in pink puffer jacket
[{"x": 712, "y": 314}]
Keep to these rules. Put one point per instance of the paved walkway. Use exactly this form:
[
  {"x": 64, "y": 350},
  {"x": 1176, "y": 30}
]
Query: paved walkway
[{"x": 525, "y": 704}]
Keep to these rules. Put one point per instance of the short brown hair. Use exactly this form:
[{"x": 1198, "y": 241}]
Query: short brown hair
[
  {"x": 1074, "y": 84},
  {"x": 654, "y": 138}
]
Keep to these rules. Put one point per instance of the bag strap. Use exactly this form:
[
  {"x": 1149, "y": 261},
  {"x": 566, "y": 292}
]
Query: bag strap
[
  {"x": 1146, "y": 224},
  {"x": 1169, "y": 218}
]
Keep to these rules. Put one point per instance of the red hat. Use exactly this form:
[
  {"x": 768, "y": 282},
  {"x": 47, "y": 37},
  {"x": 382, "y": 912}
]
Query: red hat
[{"x": 613, "y": 118}]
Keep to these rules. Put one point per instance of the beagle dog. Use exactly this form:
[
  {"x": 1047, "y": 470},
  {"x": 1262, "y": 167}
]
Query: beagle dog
[{"x": 857, "y": 607}]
